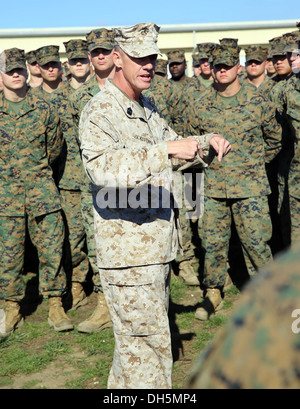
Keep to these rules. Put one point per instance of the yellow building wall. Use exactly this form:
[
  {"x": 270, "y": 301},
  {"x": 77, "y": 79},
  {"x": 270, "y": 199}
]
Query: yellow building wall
[{"x": 170, "y": 37}]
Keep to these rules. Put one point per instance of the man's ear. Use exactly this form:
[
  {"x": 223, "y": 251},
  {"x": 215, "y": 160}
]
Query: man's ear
[{"x": 117, "y": 59}]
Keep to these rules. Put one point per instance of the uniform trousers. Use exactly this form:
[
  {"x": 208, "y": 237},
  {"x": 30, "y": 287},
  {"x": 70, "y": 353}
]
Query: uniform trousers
[
  {"x": 137, "y": 299},
  {"x": 254, "y": 228},
  {"x": 47, "y": 235}
]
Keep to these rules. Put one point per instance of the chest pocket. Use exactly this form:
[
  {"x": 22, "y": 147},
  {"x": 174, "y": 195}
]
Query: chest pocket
[{"x": 35, "y": 135}]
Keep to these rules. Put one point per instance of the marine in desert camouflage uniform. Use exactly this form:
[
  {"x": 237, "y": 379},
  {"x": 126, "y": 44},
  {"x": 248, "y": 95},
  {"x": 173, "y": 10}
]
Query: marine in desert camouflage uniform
[
  {"x": 239, "y": 186},
  {"x": 31, "y": 142},
  {"x": 127, "y": 150}
]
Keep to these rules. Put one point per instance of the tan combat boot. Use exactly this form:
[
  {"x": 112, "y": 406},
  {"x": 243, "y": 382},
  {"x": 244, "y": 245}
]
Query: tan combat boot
[
  {"x": 187, "y": 273},
  {"x": 58, "y": 319},
  {"x": 211, "y": 303},
  {"x": 13, "y": 318},
  {"x": 79, "y": 297},
  {"x": 99, "y": 320}
]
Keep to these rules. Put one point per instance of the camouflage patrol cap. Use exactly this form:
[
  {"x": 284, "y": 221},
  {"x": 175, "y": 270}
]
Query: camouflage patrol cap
[
  {"x": 138, "y": 41},
  {"x": 66, "y": 68},
  {"x": 76, "y": 49},
  {"x": 256, "y": 53},
  {"x": 205, "y": 50},
  {"x": 176, "y": 56},
  {"x": 100, "y": 38},
  {"x": 12, "y": 58},
  {"x": 161, "y": 66},
  {"x": 226, "y": 55},
  {"x": 195, "y": 59},
  {"x": 48, "y": 53},
  {"x": 232, "y": 42},
  {"x": 291, "y": 40},
  {"x": 277, "y": 46},
  {"x": 31, "y": 57}
]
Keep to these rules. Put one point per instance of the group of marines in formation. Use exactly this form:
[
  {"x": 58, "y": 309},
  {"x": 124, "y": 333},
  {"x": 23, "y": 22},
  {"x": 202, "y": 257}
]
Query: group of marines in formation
[{"x": 47, "y": 196}]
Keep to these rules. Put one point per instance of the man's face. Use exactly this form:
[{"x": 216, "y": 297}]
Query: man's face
[
  {"x": 137, "y": 72},
  {"x": 196, "y": 70},
  {"x": 255, "y": 68},
  {"x": 177, "y": 69},
  {"x": 15, "y": 79},
  {"x": 205, "y": 66},
  {"x": 294, "y": 60},
  {"x": 102, "y": 59},
  {"x": 51, "y": 71},
  {"x": 282, "y": 65},
  {"x": 270, "y": 67},
  {"x": 225, "y": 74},
  {"x": 34, "y": 68},
  {"x": 79, "y": 67}
]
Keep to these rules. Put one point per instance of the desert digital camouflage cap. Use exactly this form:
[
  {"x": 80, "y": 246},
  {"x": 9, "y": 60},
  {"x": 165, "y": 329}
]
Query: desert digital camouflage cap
[
  {"x": 205, "y": 50},
  {"x": 277, "y": 46},
  {"x": 100, "y": 38},
  {"x": 76, "y": 49},
  {"x": 176, "y": 56},
  {"x": 12, "y": 58},
  {"x": 48, "y": 53},
  {"x": 161, "y": 66},
  {"x": 31, "y": 57},
  {"x": 138, "y": 41},
  {"x": 226, "y": 55},
  {"x": 256, "y": 53}
]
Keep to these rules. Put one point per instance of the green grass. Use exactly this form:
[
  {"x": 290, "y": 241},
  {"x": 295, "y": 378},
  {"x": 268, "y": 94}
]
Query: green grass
[{"x": 84, "y": 360}]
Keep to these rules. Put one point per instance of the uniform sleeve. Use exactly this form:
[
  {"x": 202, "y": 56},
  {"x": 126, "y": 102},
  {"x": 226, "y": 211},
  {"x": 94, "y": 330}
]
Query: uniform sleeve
[
  {"x": 55, "y": 140},
  {"x": 272, "y": 131},
  {"x": 109, "y": 163}
]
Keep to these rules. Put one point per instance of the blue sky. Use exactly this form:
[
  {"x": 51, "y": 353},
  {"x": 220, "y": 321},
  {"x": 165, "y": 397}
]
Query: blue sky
[{"x": 91, "y": 13}]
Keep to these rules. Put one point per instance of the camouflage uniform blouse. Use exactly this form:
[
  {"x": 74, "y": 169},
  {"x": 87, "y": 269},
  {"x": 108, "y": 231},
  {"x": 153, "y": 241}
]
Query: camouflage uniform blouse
[
  {"x": 29, "y": 143},
  {"x": 124, "y": 147},
  {"x": 290, "y": 98},
  {"x": 249, "y": 124}
]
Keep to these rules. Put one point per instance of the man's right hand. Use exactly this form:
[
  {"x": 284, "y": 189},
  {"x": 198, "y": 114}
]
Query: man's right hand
[{"x": 183, "y": 148}]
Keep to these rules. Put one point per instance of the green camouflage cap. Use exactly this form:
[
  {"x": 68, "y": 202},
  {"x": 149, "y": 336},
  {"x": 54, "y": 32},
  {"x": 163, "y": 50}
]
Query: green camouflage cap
[
  {"x": 76, "y": 49},
  {"x": 231, "y": 42},
  {"x": 176, "y": 56},
  {"x": 277, "y": 46},
  {"x": 66, "y": 68},
  {"x": 48, "y": 53},
  {"x": 291, "y": 40},
  {"x": 12, "y": 58},
  {"x": 257, "y": 53},
  {"x": 161, "y": 66},
  {"x": 205, "y": 50},
  {"x": 31, "y": 57},
  {"x": 138, "y": 41},
  {"x": 195, "y": 59},
  {"x": 226, "y": 55},
  {"x": 100, "y": 38}
]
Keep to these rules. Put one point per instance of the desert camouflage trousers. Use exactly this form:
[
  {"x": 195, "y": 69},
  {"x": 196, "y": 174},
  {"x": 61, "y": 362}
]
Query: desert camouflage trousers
[
  {"x": 138, "y": 299},
  {"x": 295, "y": 219},
  {"x": 87, "y": 212},
  {"x": 254, "y": 228},
  {"x": 76, "y": 261},
  {"x": 47, "y": 235}
]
